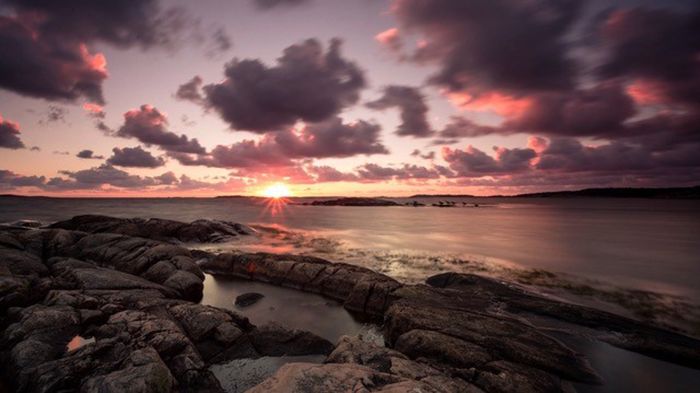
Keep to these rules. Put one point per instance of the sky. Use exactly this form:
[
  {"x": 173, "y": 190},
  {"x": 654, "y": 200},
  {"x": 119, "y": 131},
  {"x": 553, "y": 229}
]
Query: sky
[{"x": 336, "y": 97}]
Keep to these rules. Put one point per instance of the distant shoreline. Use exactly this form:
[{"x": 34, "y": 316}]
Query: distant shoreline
[{"x": 616, "y": 192}]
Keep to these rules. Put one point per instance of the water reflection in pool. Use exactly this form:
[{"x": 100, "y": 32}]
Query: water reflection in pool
[{"x": 288, "y": 307}]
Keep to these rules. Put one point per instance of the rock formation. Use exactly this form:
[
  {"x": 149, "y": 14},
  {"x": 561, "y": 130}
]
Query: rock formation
[{"x": 137, "y": 297}]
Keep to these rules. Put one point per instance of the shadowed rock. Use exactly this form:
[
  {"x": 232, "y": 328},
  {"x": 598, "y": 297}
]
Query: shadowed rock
[
  {"x": 614, "y": 329},
  {"x": 472, "y": 328},
  {"x": 361, "y": 289},
  {"x": 130, "y": 296},
  {"x": 199, "y": 231}
]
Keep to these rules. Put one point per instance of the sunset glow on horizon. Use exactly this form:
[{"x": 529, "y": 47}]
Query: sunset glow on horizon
[{"x": 276, "y": 191}]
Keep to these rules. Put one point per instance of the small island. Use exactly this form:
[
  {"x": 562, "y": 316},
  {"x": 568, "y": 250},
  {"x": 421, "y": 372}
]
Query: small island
[{"x": 355, "y": 202}]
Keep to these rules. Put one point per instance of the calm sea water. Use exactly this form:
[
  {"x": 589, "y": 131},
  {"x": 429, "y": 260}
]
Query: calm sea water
[{"x": 645, "y": 244}]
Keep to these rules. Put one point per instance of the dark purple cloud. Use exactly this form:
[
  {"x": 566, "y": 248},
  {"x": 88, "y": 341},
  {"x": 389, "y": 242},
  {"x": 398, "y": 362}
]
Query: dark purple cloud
[
  {"x": 191, "y": 90},
  {"x": 571, "y": 156},
  {"x": 48, "y": 68},
  {"x": 267, "y": 4},
  {"x": 331, "y": 138},
  {"x": 9, "y": 135},
  {"x": 373, "y": 172},
  {"x": 654, "y": 45},
  {"x": 411, "y": 103},
  {"x": 96, "y": 177},
  {"x": 124, "y": 23},
  {"x": 307, "y": 83},
  {"x": 10, "y": 180},
  {"x": 627, "y": 74},
  {"x": 108, "y": 176},
  {"x": 504, "y": 45},
  {"x": 564, "y": 162},
  {"x": 44, "y": 44},
  {"x": 134, "y": 157},
  {"x": 88, "y": 154},
  {"x": 598, "y": 111},
  {"x": 148, "y": 125},
  {"x": 461, "y": 127},
  {"x": 472, "y": 162}
]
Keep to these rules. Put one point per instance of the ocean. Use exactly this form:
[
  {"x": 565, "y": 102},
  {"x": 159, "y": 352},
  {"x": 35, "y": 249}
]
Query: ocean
[{"x": 651, "y": 245}]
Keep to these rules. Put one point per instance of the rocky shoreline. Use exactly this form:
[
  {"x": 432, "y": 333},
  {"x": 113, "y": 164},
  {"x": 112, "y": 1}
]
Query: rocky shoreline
[{"x": 130, "y": 286}]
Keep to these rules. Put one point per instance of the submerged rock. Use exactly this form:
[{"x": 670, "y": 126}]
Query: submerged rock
[{"x": 248, "y": 299}]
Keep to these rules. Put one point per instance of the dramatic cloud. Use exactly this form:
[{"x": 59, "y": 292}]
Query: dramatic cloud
[
  {"x": 9, "y": 135},
  {"x": 413, "y": 109},
  {"x": 550, "y": 68},
  {"x": 307, "y": 83},
  {"x": 89, "y": 155},
  {"x": 134, "y": 157},
  {"x": 505, "y": 45},
  {"x": 327, "y": 174},
  {"x": 473, "y": 162},
  {"x": 190, "y": 90},
  {"x": 331, "y": 138},
  {"x": 149, "y": 126},
  {"x": 123, "y": 23},
  {"x": 374, "y": 172},
  {"x": 657, "y": 48},
  {"x": 461, "y": 127},
  {"x": 267, "y": 4},
  {"x": 103, "y": 175},
  {"x": 10, "y": 180},
  {"x": 599, "y": 111},
  {"x": 107, "y": 176},
  {"x": 48, "y": 68},
  {"x": 44, "y": 45}
]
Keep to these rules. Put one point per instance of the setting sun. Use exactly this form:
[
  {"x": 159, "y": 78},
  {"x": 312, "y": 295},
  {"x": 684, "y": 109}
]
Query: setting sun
[{"x": 277, "y": 190}]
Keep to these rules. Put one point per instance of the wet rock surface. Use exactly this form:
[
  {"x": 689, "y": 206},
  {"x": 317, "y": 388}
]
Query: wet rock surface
[
  {"x": 471, "y": 333},
  {"x": 199, "y": 231},
  {"x": 360, "y": 289},
  {"x": 135, "y": 299}
]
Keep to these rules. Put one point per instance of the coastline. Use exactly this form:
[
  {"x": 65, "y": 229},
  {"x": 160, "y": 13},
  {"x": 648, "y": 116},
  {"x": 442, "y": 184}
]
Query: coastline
[{"x": 95, "y": 277}]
